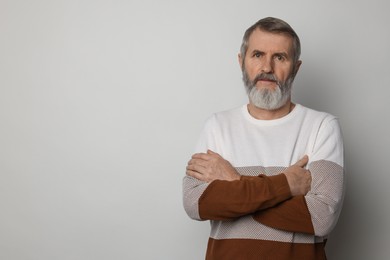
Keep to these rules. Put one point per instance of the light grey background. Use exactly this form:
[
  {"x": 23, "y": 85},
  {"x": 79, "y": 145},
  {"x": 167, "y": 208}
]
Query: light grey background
[{"x": 101, "y": 103}]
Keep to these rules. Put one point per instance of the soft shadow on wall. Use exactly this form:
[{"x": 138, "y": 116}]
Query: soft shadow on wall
[{"x": 320, "y": 87}]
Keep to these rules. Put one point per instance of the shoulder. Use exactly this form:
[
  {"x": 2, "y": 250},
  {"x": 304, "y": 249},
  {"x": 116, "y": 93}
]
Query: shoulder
[
  {"x": 226, "y": 116},
  {"x": 315, "y": 116},
  {"x": 325, "y": 126}
]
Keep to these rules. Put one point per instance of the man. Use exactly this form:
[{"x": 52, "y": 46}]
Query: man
[{"x": 268, "y": 175}]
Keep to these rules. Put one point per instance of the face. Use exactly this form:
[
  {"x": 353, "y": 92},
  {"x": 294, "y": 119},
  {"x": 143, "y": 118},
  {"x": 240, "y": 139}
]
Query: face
[{"x": 269, "y": 69}]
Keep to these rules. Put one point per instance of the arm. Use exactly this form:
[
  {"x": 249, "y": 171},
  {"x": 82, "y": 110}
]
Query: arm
[
  {"x": 318, "y": 211},
  {"x": 222, "y": 200},
  {"x": 229, "y": 196}
]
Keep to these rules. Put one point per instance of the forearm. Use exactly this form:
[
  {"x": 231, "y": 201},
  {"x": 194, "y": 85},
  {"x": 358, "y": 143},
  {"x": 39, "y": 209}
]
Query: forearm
[
  {"x": 223, "y": 200},
  {"x": 192, "y": 190},
  {"x": 317, "y": 212},
  {"x": 291, "y": 215},
  {"x": 325, "y": 199}
]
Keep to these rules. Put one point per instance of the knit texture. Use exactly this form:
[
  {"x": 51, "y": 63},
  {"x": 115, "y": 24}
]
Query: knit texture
[{"x": 256, "y": 217}]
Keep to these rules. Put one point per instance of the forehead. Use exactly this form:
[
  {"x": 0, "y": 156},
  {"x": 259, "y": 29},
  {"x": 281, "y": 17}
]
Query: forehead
[{"x": 270, "y": 42}]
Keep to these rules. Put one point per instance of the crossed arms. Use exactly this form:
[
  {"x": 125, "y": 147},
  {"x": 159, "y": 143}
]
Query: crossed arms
[
  {"x": 211, "y": 166},
  {"x": 278, "y": 201}
]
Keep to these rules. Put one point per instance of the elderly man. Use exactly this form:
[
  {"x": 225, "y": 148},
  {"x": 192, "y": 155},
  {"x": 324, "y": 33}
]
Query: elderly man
[{"x": 269, "y": 174}]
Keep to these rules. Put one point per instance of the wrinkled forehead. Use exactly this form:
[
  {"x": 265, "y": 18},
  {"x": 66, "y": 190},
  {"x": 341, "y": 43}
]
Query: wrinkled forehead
[{"x": 270, "y": 42}]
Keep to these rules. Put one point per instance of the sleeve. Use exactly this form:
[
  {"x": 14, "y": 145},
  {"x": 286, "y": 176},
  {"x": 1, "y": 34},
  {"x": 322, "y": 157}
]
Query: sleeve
[
  {"x": 318, "y": 211},
  {"x": 221, "y": 200}
]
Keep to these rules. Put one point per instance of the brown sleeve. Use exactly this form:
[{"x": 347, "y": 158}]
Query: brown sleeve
[
  {"x": 291, "y": 215},
  {"x": 224, "y": 200}
]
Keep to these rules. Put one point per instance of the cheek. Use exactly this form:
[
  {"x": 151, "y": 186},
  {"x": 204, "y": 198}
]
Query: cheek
[
  {"x": 283, "y": 73},
  {"x": 251, "y": 64},
  {"x": 252, "y": 69}
]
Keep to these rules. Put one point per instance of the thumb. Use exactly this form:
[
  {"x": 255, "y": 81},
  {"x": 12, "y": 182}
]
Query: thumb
[
  {"x": 213, "y": 153},
  {"x": 302, "y": 162}
]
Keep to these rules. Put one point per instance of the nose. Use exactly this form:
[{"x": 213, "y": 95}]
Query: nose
[{"x": 267, "y": 66}]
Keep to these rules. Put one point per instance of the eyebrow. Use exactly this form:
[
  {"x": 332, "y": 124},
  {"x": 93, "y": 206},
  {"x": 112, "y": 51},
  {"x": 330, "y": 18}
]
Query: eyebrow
[
  {"x": 257, "y": 51},
  {"x": 284, "y": 54}
]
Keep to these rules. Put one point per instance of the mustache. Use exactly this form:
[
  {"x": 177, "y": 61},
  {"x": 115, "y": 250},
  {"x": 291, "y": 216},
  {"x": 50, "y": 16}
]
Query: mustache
[{"x": 265, "y": 76}]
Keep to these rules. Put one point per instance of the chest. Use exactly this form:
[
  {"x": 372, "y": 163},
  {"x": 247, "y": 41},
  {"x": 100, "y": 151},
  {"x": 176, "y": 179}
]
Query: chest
[{"x": 265, "y": 146}]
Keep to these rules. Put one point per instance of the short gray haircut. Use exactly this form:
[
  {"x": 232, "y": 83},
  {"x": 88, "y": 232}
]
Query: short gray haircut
[{"x": 272, "y": 25}]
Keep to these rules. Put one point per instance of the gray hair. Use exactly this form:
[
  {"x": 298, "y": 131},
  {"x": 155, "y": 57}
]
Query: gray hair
[{"x": 272, "y": 25}]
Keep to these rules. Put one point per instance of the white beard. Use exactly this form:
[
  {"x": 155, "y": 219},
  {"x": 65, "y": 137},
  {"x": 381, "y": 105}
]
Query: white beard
[
  {"x": 268, "y": 99},
  {"x": 265, "y": 98}
]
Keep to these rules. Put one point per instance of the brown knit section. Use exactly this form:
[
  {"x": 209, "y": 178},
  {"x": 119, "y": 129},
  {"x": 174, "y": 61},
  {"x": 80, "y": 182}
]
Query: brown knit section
[
  {"x": 291, "y": 215},
  {"x": 224, "y": 200},
  {"x": 249, "y": 249}
]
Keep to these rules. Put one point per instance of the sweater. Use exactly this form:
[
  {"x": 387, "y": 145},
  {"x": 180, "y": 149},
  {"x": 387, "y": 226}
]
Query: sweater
[{"x": 256, "y": 217}]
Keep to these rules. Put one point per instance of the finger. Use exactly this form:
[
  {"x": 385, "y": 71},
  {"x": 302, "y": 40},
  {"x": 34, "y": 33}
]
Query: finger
[
  {"x": 196, "y": 175},
  {"x": 202, "y": 156},
  {"x": 200, "y": 162},
  {"x": 302, "y": 162},
  {"x": 197, "y": 168},
  {"x": 212, "y": 153}
]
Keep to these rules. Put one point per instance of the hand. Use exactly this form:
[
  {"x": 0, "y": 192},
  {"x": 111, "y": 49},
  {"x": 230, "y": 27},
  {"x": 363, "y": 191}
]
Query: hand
[
  {"x": 298, "y": 178},
  {"x": 211, "y": 166}
]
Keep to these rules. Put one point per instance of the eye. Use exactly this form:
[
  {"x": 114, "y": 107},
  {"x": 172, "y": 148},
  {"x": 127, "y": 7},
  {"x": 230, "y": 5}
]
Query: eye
[
  {"x": 257, "y": 54},
  {"x": 279, "y": 57}
]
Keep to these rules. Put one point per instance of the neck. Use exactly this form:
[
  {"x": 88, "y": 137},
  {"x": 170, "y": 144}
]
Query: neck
[{"x": 264, "y": 114}]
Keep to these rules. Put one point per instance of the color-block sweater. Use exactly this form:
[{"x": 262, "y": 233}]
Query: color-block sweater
[{"x": 256, "y": 217}]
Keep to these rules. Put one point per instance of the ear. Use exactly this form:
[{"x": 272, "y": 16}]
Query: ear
[
  {"x": 297, "y": 66},
  {"x": 240, "y": 60}
]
